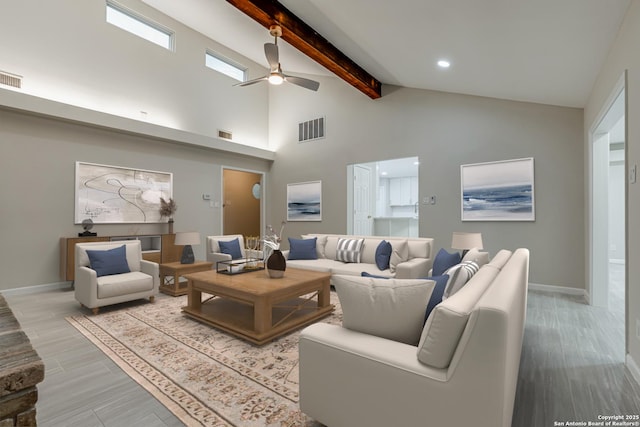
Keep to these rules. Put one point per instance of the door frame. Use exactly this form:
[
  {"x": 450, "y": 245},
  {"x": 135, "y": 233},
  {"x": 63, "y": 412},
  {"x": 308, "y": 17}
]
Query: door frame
[{"x": 592, "y": 250}]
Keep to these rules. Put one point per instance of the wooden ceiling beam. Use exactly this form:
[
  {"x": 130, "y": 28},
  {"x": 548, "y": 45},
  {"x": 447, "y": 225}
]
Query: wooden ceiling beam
[{"x": 304, "y": 38}]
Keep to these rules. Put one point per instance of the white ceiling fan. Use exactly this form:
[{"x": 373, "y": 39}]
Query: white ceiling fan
[{"x": 276, "y": 76}]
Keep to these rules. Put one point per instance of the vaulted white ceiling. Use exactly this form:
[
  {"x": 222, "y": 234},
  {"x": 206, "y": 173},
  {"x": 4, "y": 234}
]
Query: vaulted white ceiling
[{"x": 544, "y": 51}]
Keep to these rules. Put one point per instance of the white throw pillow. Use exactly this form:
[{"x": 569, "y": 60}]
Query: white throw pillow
[
  {"x": 349, "y": 250},
  {"x": 399, "y": 253},
  {"x": 387, "y": 308},
  {"x": 459, "y": 275},
  {"x": 481, "y": 258}
]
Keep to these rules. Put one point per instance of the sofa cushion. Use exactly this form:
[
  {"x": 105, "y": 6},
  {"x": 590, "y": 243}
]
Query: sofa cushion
[
  {"x": 444, "y": 260},
  {"x": 399, "y": 253},
  {"x": 383, "y": 255},
  {"x": 392, "y": 309},
  {"x": 459, "y": 275},
  {"x": 481, "y": 258},
  {"x": 124, "y": 284},
  {"x": 500, "y": 259},
  {"x": 302, "y": 248},
  {"x": 419, "y": 248},
  {"x": 448, "y": 319},
  {"x": 109, "y": 261},
  {"x": 231, "y": 247},
  {"x": 349, "y": 250}
]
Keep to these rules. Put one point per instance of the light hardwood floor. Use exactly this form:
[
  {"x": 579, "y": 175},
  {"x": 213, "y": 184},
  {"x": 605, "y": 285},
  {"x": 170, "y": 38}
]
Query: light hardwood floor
[{"x": 572, "y": 366}]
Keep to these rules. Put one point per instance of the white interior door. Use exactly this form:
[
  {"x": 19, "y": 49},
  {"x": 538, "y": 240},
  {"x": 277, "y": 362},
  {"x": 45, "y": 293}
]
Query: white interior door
[{"x": 362, "y": 210}]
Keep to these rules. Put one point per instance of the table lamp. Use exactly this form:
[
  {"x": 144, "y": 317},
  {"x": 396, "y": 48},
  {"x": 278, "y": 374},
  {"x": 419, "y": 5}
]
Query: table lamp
[
  {"x": 466, "y": 241},
  {"x": 186, "y": 239}
]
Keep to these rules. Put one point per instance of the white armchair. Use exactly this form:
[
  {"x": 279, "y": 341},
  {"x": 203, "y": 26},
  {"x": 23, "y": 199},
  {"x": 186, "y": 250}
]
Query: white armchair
[
  {"x": 214, "y": 254},
  {"x": 93, "y": 291}
]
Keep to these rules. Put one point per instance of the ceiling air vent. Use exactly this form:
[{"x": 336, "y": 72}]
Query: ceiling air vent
[
  {"x": 9, "y": 79},
  {"x": 225, "y": 134},
  {"x": 310, "y": 130}
]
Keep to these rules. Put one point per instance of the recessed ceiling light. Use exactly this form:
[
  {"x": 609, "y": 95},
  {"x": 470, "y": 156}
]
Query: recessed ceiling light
[{"x": 443, "y": 63}]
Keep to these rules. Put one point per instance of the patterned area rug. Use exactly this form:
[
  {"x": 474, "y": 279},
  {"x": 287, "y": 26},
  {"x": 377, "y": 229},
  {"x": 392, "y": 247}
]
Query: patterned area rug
[{"x": 204, "y": 376}]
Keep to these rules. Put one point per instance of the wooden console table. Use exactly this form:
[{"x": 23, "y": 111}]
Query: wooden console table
[{"x": 170, "y": 275}]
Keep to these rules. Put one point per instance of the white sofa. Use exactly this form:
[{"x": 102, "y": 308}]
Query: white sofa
[
  {"x": 91, "y": 291},
  {"x": 462, "y": 373},
  {"x": 412, "y": 258}
]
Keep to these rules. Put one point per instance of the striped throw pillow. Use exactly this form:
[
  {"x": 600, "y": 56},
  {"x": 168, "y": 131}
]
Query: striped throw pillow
[
  {"x": 459, "y": 275},
  {"x": 349, "y": 250}
]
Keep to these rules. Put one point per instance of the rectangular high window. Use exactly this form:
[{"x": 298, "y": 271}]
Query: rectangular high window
[
  {"x": 225, "y": 66},
  {"x": 140, "y": 26}
]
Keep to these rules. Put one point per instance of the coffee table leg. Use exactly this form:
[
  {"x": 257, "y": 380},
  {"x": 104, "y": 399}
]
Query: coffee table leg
[
  {"x": 194, "y": 297},
  {"x": 324, "y": 295},
  {"x": 261, "y": 316}
]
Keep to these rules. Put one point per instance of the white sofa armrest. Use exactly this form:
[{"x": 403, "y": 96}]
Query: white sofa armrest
[
  {"x": 216, "y": 257},
  {"x": 348, "y": 378},
  {"x": 414, "y": 268},
  {"x": 86, "y": 286},
  {"x": 152, "y": 269}
]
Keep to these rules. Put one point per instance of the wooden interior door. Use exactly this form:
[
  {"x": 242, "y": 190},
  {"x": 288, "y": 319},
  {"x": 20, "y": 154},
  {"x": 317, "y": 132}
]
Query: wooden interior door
[{"x": 240, "y": 208}]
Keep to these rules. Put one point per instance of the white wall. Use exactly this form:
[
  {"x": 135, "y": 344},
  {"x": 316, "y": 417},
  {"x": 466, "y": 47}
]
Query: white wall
[
  {"x": 66, "y": 51},
  {"x": 38, "y": 165},
  {"x": 444, "y": 130},
  {"x": 624, "y": 55}
]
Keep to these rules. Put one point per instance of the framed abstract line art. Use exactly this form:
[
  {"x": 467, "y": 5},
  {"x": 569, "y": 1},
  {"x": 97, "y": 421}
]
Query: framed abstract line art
[
  {"x": 304, "y": 201},
  {"x": 498, "y": 191},
  {"x": 113, "y": 194}
]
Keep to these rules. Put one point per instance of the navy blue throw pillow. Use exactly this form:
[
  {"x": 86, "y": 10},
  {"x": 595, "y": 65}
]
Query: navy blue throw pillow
[
  {"x": 373, "y": 276},
  {"x": 443, "y": 261},
  {"x": 436, "y": 295},
  {"x": 302, "y": 248},
  {"x": 108, "y": 262},
  {"x": 383, "y": 255},
  {"x": 232, "y": 247}
]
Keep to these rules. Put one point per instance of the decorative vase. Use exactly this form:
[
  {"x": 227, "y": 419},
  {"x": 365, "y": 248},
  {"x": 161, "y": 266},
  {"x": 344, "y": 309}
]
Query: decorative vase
[
  {"x": 170, "y": 222},
  {"x": 276, "y": 264}
]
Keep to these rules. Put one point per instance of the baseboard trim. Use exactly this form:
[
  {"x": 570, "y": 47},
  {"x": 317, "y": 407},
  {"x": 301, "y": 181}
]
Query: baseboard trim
[
  {"x": 37, "y": 288},
  {"x": 558, "y": 289},
  {"x": 633, "y": 368}
]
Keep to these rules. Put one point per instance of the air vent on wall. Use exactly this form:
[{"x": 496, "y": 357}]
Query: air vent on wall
[
  {"x": 312, "y": 129},
  {"x": 9, "y": 79},
  {"x": 225, "y": 134}
]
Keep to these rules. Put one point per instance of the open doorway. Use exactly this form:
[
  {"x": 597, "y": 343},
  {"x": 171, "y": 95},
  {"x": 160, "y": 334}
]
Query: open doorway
[
  {"x": 242, "y": 195},
  {"x": 383, "y": 198},
  {"x": 607, "y": 200}
]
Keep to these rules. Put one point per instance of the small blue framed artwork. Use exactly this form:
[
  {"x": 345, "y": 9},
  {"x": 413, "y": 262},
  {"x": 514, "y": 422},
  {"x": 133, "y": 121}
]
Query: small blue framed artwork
[
  {"x": 304, "y": 201},
  {"x": 498, "y": 191}
]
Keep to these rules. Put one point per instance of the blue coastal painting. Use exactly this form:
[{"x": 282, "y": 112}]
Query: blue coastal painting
[
  {"x": 498, "y": 191},
  {"x": 304, "y": 201}
]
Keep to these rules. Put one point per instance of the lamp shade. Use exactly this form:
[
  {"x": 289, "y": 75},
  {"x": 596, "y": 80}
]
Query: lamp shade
[
  {"x": 187, "y": 238},
  {"x": 466, "y": 241}
]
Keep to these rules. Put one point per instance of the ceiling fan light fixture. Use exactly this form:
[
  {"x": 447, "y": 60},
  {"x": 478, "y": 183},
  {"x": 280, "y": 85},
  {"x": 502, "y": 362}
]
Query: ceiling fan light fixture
[{"x": 276, "y": 79}]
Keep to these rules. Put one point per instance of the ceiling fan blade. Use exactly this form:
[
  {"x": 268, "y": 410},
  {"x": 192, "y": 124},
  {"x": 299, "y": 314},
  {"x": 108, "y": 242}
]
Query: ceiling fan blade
[
  {"x": 271, "y": 52},
  {"x": 305, "y": 83},
  {"x": 254, "y": 81}
]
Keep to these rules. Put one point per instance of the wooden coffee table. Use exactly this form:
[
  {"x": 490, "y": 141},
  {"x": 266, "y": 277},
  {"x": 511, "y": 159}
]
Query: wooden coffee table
[
  {"x": 255, "y": 307},
  {"x": 170, "y": 275}
]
